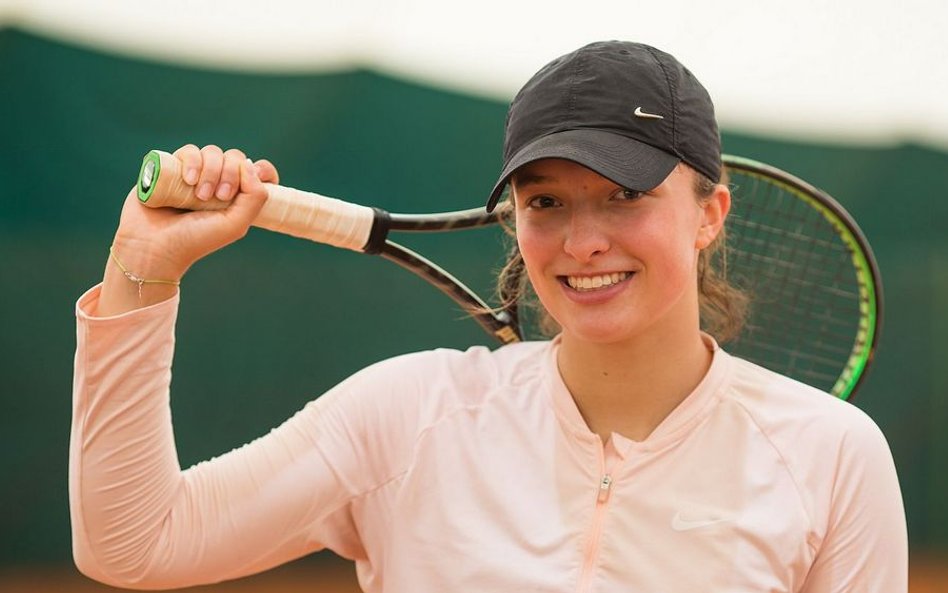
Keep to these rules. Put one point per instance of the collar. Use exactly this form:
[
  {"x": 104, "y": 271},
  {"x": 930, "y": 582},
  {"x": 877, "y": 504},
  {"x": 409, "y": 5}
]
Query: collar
[{"x": 691, "y": 411}]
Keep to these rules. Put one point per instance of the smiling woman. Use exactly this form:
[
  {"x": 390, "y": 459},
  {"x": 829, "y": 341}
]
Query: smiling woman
[
  {"x": 577, "y": 229},
  {"x": 723, "y": 307},
  {"x": 595, "y": 460}
]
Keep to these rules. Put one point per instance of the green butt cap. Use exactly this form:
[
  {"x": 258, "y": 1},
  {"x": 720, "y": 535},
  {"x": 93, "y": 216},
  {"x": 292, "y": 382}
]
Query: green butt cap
[{"x": 148, "y": 176}]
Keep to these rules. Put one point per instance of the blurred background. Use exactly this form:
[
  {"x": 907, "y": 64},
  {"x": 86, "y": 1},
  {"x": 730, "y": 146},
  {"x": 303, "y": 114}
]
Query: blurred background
[{"x": 401, "y": 104}]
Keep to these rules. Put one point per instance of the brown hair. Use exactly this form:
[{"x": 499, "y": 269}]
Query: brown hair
[{"x": 723, "y": 307}]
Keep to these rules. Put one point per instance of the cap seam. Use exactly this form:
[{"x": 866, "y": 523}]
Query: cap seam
[
  {"x": 577, "y": 71},
  {"x": 673, "y": 97}
]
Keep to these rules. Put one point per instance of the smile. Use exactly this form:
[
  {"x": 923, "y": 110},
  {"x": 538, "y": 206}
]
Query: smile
[{"x": 587, "y": 283}]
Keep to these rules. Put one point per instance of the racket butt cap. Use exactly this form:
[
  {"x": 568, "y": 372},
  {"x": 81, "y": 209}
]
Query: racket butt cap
[{"x": 148, "y": 175}]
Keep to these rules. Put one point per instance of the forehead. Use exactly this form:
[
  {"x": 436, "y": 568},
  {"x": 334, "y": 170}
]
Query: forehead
[
  {"x": 563, "y": 170},
  {"x": 553, "y": 171}
]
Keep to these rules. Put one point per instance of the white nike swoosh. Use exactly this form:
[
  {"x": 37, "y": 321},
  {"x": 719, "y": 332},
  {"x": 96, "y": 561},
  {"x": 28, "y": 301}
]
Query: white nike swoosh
[
  {"x": 639, "y": 113},
  {"x": 680, "y": 523}
]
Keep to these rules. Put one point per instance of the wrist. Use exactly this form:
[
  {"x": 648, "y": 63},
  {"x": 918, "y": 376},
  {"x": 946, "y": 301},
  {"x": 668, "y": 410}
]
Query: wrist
[
  {"x": 144, "y": 260},
  {"x": 121, "y": 295},
  {"x": 136, "y": 280}
]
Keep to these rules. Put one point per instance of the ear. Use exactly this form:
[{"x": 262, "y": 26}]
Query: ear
[{"x": 715, "y": 210}]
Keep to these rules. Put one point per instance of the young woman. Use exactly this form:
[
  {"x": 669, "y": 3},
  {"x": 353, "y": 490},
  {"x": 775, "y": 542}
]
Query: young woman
[{"x": 629, "y": 453}]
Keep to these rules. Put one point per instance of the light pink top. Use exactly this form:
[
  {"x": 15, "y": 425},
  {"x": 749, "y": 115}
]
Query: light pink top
[{"x": 473, "y": 471}]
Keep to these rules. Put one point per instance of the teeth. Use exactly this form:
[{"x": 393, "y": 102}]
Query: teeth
[{"x": 594, "y": 282}]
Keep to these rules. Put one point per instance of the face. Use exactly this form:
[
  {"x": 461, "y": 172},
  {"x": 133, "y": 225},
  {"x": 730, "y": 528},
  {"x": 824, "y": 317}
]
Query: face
[{"x": 611, "y": 264}]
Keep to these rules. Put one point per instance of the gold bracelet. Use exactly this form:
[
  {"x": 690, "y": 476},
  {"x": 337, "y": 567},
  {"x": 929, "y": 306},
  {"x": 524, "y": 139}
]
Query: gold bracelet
[{"x": 136, "y": 279}]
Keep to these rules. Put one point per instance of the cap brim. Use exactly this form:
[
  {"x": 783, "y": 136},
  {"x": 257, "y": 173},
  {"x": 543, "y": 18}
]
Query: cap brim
[{"x": 628, "y": 162}]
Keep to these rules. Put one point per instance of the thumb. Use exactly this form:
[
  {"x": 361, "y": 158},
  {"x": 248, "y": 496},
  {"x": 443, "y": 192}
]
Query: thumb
[{"x": 250, "y": 199}]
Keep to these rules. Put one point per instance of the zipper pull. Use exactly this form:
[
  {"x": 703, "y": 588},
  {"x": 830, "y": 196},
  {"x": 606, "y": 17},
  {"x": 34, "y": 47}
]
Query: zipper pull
[{"x": 605, "y": 486}]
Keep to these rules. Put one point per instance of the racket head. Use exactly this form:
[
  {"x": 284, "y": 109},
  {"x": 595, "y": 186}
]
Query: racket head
[{"x": 814, "y": 285}]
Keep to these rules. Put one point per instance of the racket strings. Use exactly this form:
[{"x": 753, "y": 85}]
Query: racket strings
[{"x": 804, "y": 291}]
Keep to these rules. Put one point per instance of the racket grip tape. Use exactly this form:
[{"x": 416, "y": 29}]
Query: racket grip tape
[{"x": 289, "y": 211}]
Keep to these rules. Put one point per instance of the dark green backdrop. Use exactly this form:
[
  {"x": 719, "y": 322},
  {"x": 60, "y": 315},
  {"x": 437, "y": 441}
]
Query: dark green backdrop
[{"x": 272, "y": 321}]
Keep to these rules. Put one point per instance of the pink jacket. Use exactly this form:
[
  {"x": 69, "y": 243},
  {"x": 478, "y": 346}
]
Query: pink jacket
[{"x": 474, "y": 471}]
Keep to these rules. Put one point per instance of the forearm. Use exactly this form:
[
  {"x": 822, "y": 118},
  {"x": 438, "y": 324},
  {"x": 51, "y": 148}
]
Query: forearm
[
  {"x": 137, "y": 519},
  {"x": 122, "y": 452}
]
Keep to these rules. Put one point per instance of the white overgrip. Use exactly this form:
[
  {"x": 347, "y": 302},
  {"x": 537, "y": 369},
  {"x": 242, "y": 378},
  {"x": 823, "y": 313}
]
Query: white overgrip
[{"x": 317, "y": 218}]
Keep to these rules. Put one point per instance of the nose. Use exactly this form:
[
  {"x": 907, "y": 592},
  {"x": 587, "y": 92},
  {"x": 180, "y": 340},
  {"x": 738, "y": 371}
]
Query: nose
[{"x": 586, "y": 237}]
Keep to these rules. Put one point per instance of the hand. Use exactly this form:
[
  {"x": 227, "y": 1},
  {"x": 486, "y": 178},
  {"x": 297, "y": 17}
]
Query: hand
[
  {"x": 165, "y": 242},
  {"x": 162, "y": 243}
]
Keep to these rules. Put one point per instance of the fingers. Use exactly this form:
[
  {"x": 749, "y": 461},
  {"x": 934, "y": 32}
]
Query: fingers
[
  {"x": 191, "y": 162},
  {"x": 252, "y": 196},
  {"x": 213, "y": 162},
  {"x": 266, "y": 171},
  {"x": 213, "y": 172},
  {"x": 230, "y": 174}
]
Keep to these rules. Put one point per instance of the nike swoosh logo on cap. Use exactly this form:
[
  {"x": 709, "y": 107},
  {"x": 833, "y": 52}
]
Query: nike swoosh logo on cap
[{"x": 644, "y": 115}]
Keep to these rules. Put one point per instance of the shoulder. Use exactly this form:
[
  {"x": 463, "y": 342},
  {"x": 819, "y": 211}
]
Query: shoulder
[
  {"x": 478, "y": 363},
  {"x": 382, "y": 411},
  {"x": 774, "y": 400},
  {"x": 833, "y": 451},
  {"x": 844, "y": 475},
  {"x": 813, "y": 432},
  {"x": 443, "y": 378}
]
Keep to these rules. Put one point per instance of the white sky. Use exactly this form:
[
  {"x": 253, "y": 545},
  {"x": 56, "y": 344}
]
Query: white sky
[{"x": 857, "y": 70}]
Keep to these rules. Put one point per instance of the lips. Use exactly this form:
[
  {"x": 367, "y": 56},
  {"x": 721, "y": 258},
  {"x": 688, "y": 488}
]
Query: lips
[{"x": 588, "y": 283}]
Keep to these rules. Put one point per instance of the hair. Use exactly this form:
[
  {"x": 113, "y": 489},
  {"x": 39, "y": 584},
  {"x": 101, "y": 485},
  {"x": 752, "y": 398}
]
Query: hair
[{"x": 722, "y": 307}]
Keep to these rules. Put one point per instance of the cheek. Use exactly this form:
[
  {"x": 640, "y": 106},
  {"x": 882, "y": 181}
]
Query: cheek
[
  {"x": 538, "y": 250},
  {"x": 668, "y": 242},
  {"x": 532, "y": 249}
]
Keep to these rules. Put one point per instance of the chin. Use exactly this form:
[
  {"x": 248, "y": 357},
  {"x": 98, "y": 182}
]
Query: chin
[{"x": 600, "y": 332}]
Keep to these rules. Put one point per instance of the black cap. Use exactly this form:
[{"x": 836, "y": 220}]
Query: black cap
[{"x": 627, "y": 111}]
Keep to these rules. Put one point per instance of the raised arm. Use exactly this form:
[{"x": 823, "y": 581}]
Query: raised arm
[{"x": 138, "y": 520}]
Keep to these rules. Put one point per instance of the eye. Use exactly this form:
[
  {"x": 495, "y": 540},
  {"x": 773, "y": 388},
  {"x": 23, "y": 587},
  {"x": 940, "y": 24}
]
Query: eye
[
  {"x": 542, "y": 202},
  {"x": 628, "y": 194}
]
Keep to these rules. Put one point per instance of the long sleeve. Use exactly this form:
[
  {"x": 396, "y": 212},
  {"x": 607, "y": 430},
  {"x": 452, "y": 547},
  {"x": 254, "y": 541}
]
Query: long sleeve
[
  {"x": 138, "y": 520},
  {"x": 866, "y": 545}
]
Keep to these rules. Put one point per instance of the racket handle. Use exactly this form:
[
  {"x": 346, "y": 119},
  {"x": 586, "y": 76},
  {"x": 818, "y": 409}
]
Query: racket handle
[{"x": 287, "y": 210}]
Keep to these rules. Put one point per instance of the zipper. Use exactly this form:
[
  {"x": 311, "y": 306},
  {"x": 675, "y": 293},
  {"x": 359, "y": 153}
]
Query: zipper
[
  {"x": 592, "y": 549},
  {"x": 605, "y": 487}
]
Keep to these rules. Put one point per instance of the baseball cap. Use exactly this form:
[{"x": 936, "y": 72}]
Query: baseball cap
[{"x": 628, "y": 111}]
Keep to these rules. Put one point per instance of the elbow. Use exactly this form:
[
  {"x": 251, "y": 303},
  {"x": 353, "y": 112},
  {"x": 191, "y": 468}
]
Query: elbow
[{"x": 86, "y": 563}]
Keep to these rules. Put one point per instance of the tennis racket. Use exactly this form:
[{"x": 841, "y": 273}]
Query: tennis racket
[
  {"x": 814, "y": 285},
  {"x": 816, "y": 297}
]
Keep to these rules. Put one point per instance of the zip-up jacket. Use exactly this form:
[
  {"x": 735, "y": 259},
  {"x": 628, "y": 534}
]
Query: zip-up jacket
[{"x": 461, "y": 471}]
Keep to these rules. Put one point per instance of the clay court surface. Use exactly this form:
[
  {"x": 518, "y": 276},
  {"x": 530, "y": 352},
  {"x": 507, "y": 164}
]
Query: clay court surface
[{"x": 327, "y": 574}]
